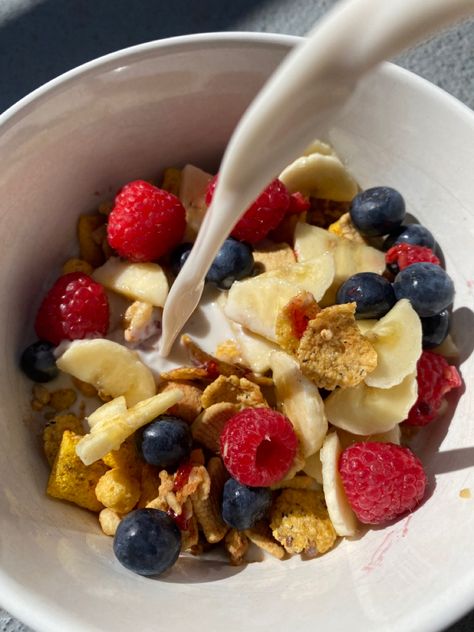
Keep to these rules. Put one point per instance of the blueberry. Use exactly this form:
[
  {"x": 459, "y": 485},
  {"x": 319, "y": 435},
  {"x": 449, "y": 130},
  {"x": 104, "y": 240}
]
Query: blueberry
[
  {"x": 179, "y": 256},
  {"x": 377, "y": 211},
  {"x": 435, "y": 329},
  {"x": 373, "y": 294},
  {"x": 233, "y": 262},
  {"x": 243, "y": 506},
  {"x": 38, "y": 362},
  {"x": 147, "y": 541},
  {"x": 427, "y": 286},
  {"x": 415, "y": 234},
  {"x": 165, "y": 442}
]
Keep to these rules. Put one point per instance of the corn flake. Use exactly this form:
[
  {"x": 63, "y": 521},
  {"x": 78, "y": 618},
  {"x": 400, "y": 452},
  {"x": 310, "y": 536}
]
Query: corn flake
[
  {"x": 208, "y": 426},
  {"x": 189, "y": 407},
  {"x": 293, "y": 320},
  {"x": 236, "y": 544},
  {"x": 233, "y": 390},
  {"x": 208, "y": 509},
  {"x": 53, "y": 434},
  {"x": 261, "y": 535}
]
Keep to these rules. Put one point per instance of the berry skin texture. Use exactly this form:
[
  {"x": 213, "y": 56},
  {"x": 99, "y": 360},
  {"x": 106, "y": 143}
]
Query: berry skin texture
[
  {"x": 258, "y": 446},
  {"x": 38, "y": 362},
  {"x": 372, "y": 293},
  {"x": 435, "y": 329},
  {"x": 401, "y": 256},
  {"x": 234, "y": 261},
  {"x": 427, "y": 286},
  {"x": 377, "y": 211},
  {"x": 415, "y": 234},
  {"x": 146, "y": 222},
  {"x": 243, "y": 506},
  {"x": 263, "y": 215},
  {"x": 75, "y": 307},
  {"x": 435, "y": 378},
  {"x": 165, "y": 442},
  {"x": 147, "y": 541},
  {"x": 382, "y": 480}
]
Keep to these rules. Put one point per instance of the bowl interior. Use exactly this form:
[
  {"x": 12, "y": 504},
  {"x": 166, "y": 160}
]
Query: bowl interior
[{"x": 130, "y": 115}]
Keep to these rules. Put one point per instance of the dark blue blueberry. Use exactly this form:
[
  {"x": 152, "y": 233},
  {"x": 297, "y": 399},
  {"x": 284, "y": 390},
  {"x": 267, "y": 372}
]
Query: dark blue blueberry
[
  {"x": 415, "y": 234},
  {"x": 435, "y": 329},
  {"x": 427, "y": 286},
  {"x": 147, "y": 541},
  {"x": 243, "y": 506},
  {"x": 165, "y": 442},
  {"x": 233, "y": 262},
  {"x": 38, "y": 362},
  {"x": 372, "y": 292},
  {"x": 377, "y": 211},
  {"x": 179, "y": 256}
]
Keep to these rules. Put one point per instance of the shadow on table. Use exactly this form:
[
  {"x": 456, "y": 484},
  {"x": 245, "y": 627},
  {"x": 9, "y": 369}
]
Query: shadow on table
[{"x": 54, "y": 36}]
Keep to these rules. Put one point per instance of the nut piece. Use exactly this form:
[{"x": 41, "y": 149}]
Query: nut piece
[
  {"x": 53, "y": 434},
  {"x": 70, "y": 479},
  {"x": 300, "y": 522},
  {"x": 332, "y": 351},
  {"x": 118, "y": 491},
  {"x": 293, "y": 320},
  {"x": 189, "y": 407},
  {"x": 236, "y": 544},
  {"x": 208, "y": 426},
  {"x": 208, "y": 509},
  {"x": 109, "y": 521},
  {"x": 270, "y": 256},
  {"x": 233, "y": 390}
]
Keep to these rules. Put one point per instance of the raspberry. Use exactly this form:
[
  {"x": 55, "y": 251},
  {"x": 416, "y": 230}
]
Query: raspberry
[
  {"x": 262, "y": 216},
  {"x": 258, "y": 446},
  {"x": 435, "y": 378},
  {"x": 146, "y": 222},
  {"x": 75, "y": 307},
  {"x": 298, "y": 204},
  {"x": 403, "y": 255},
  {"x": 381, "y": 480}
]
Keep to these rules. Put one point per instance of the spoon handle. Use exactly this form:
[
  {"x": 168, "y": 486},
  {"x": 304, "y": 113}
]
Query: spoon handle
[{"x": 301, "y": 97}]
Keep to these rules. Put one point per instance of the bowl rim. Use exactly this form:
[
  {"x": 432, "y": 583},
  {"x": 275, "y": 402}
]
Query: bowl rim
[{"x": 23, "y": 603}]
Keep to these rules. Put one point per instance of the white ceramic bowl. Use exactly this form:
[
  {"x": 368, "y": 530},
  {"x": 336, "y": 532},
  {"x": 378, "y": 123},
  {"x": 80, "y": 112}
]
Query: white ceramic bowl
[{"x": 128, "y": 115}]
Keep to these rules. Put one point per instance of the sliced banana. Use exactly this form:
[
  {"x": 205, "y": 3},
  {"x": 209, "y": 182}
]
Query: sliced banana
[
  {"x": 340, "y": 512},
  {"x": 320, "y": 173},
  {"x": 113, "y": 369},
  {"x": 254, "y": 349},
  {"x": 144, "y": 282},
  {"x": 314, "y": 468},
  {"x": 300, "y": 401},
  {"x": 110, "y": 431},
  {"x": 365, "y": 410},
  {"x": 349, "y": 257},
  {"x": 391, "y": 436},
  {"x": 397, "y": 340},
  {"x": 256, "y": 302},
  {"x": 114, "y": 408},
  {"x": 192, "y": 193}
]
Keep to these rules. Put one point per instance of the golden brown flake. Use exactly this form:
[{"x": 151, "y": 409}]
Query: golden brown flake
[
  {"x": 207, "y": 428},
  {"x": 300, "y": 522},
  {"x": 216, "y": 366},
  {"x": 77, "y": 265},
  {"x": 62, "y": 399},
  {"x": 346, "y": 229},
  {"x": 117, "y": 490},
  {"x": 236, "y": 544},
  {"x": 261, "y": 535},
  {"x": 41, "y": 396},
  {"x": 171, "y": 180},
  {"x": 150, "y": 484},
  {"x": 70, "y": 479},
  {"x": 53, "y": 434},
  {"x": 228, "y": 352},
  {"x": 208, "y": 509},
  {"x": 189, "y": 407},
  {"x": 332, "y": 351},
  {"x": 126, "y": 458},
  {"x": 188, "y": 373},
  {"x": 233, "y": 390},
  {"x": 90, "y": 250},
  {"x": 189, "y": 528},
  {"x": 293, "y": 319},
  {"x": 270, "y": 256}
]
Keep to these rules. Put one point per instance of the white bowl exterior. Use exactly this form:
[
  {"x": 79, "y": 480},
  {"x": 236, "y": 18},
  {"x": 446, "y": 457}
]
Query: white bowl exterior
[{"x": 129, "y": 115}]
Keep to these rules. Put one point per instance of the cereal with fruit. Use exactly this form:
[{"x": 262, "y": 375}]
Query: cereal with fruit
[{"x": 292, "y": 432}]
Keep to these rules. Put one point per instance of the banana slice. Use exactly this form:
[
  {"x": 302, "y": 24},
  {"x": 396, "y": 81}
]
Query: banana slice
[
  {"x": 300, "y": 401},
  {"x": 110, "y": 431},
  {"x": 112, "y": 368},
  {"x": 114, "y": 408},
  {"x": 349, "y": 257},
  {"x": 255, "y": 350},
  {"x": 365, "y": 410},
  {"x": 255, "y": 303},
  {"x": 144, "y": 282},
  {"x": 397, "y": 340},
  {"x": 314, "y": 468},
  {"x": 320, "y": 173},
  {"x": 192, "y": 193},
  {"x": 391, "y": 436},
  {"x": 340, "y": 512}
]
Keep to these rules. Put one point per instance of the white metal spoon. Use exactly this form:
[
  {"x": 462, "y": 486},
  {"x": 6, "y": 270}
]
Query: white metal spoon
[{"x": 300, "y": 99}]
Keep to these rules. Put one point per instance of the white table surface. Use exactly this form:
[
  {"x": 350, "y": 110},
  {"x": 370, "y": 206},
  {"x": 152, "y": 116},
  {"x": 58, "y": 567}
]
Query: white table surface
[{"x": 40, "y": 39}]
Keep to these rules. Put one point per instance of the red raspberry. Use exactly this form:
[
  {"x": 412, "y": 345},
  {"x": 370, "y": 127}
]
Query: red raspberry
[
  {"x": 258, "y": 446},
  {"x": 403, "y": 255},
  {"x": 146, "y": 222},
  {"x": 435, "y": 378},
  {"x": 75, "y": 307},
  {"x": 298, "y": 204},
  {"x": 381, "y": 480},
  {"x": 262, "y": 216}
]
